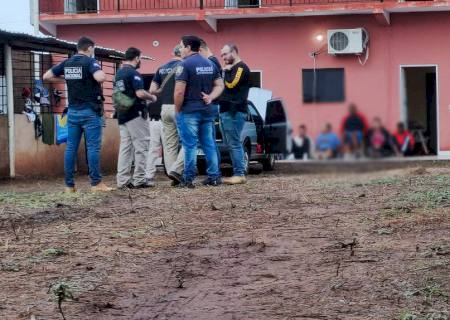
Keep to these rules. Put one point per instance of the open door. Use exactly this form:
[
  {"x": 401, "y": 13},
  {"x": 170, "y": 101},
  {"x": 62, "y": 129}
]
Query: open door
[
  {"x": 277, "y": 130},
  {"x": 419, "y": 109}
]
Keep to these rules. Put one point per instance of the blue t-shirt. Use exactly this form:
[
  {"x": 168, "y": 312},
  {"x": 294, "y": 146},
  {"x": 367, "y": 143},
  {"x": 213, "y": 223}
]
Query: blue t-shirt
[
  {"x": 199, "y": 74},
  {"x": 79, "y": 72},
  {"x": 128, "y": 81},
  {"x": 327, "y": 141}
]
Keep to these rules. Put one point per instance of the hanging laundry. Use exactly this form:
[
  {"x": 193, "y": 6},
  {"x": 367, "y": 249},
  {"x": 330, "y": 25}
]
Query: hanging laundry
[
  {"x": 32, "y": 116},
  {"x": 61, "y": 128}
]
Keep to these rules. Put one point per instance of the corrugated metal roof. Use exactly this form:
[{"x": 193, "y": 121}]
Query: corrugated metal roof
[{"x": 48, "y": 43}]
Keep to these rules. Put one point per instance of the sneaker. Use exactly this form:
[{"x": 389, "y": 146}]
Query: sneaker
[
  {"x": 70, "y": 190},
  {"x": 176, "y": 177},
  {"x": 146, "y": 184},
  {"x": 189, "y": 185},
  {"x": 101, "y": 187},
  {"x": 212, "y": 182},
  {"x": 235, "y": 180},
  {"x": 129, "y": 185}
]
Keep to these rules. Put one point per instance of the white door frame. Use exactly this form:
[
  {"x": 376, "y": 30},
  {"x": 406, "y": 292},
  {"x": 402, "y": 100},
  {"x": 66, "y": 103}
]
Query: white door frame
[{"x": 404, "y": 102}]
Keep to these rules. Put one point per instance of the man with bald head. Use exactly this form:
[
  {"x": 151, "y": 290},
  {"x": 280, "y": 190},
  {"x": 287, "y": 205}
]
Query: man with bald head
[{"x": 163, "y": 85}]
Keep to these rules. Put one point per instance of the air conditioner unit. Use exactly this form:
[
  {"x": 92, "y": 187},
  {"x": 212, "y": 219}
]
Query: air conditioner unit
[{"x": 347, "y": 41}]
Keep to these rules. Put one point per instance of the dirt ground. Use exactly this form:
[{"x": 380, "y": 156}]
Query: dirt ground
[{"x": 317, "y": 246}]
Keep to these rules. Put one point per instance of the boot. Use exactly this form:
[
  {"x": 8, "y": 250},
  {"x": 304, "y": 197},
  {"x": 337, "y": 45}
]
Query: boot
[
  {"x": 235, "y": 180},
  {"x": 101, "y": 187}
]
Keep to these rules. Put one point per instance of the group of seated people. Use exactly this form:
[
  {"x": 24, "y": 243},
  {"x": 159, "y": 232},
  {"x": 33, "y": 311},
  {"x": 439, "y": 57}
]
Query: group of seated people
[{"x": 357, "y": 139}]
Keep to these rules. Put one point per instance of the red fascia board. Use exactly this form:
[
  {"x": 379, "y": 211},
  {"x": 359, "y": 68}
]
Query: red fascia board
[{"x": 199, "y": 15}]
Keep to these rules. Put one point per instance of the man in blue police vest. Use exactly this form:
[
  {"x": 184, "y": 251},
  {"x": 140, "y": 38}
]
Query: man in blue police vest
[
  {"x": 83, "y": 76},
  {"x": 198, "y": 83}
]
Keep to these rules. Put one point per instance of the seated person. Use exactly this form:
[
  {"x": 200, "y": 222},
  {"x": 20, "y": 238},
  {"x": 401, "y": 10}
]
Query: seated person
[
  {"x": 353, "y": 127},
  {"x": 327, "y": 143},
  {"x": 404, "y": 140},
  {"x": 379, "y": 141},
  {"x": 301, "y": 146}
]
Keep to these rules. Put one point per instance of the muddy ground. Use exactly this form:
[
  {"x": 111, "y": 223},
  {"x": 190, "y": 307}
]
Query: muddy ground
[{"x": 316, "y": 246}]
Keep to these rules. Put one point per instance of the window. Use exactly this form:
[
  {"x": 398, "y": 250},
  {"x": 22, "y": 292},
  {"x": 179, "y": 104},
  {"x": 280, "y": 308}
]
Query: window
[
  {"x": 255, "y": 79},
  {"x": 242, "y": 3},
  {"x": 80, "y": 6},
  {"x": 323, "y": 85}
]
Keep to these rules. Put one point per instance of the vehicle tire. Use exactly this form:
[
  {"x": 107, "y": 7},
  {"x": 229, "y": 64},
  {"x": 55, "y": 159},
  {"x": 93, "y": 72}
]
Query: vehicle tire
[
  {"x": 246, "y": 159},
  {"x": 201, "y": 167},
  {"x": 269, "y": 163}
]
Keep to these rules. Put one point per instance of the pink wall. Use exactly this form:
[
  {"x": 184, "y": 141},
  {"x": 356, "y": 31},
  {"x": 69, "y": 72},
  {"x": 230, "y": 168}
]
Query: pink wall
[{"x": 279, "y": 47}]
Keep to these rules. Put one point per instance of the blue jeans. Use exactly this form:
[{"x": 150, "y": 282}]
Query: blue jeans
[
  {"x": 194, "y": 127},
  {"x": 83, "y": 119},
  {"x": 232, "y": 126}
]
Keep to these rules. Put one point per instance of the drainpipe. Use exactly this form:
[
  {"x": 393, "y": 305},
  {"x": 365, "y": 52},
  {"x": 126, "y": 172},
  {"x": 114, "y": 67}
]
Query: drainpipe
[
  {"x": 34, "y": 15},
  {"x": 10, "y": 103}
]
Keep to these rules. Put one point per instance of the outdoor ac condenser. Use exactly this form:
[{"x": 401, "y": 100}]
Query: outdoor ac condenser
[{"x": 347, "y": 41}]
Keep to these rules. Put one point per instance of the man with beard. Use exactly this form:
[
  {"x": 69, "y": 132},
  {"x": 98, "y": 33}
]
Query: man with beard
[
  {"x": 233, "y": 109},
  {"x": 133, "y": 124}
]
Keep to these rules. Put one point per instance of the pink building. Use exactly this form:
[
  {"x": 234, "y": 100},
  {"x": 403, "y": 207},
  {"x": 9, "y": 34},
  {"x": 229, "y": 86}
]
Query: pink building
[{"x": 402, "y": 75}]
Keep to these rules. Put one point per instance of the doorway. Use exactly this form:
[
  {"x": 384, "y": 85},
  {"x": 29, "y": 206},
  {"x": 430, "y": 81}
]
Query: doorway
[{"x": 419, "y": 106}]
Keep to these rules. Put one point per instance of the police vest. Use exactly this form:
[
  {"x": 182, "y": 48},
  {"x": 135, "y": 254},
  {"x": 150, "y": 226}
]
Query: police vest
[{"x": 81, "y": 85}]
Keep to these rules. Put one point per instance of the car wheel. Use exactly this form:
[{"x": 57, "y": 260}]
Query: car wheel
[
  {"x": 246, "y": 160},
  {"x": 269, "y": 163}
]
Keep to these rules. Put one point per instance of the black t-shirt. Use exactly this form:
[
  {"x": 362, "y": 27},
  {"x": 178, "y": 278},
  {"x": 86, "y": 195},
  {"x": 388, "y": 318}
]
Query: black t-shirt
[
  {"x": 234, "y": 97},
  {"x": 301, "y": 146},
  {"x": 169, "y": 87},
  {"x": 128, "y": 80},
  {"x": 79, "y": 72},
  {"x": 216, "y": 63}
]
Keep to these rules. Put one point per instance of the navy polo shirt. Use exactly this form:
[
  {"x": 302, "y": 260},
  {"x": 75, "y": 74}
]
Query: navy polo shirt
[
  {"x": 169, "y": 87},
  {"x": 128, "y": 80},
  {"x": 79, "y": 72},
  {"x": 199, "y": 74}
]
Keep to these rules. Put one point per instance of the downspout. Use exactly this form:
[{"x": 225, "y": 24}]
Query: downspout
[{"x": 10, "y": 104}]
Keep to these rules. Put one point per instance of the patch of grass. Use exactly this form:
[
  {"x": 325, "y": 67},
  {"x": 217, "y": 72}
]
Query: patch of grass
[
  {"x": 388, "y": 181},
  {"x": 119, "y": 235},
  {"x": 38, "y": 200},
  {"x": 128, "y": 234},
  {"x": 434, "y": 290},
  {"x": 10, "y": 267},
  {"x": 409, "y": 315},
  {"x": 407, "y": 201},
  {"x": 429, "y": 199},
  {"x": 384, "y": 231},
  {"x": 53, "y": 252}
]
